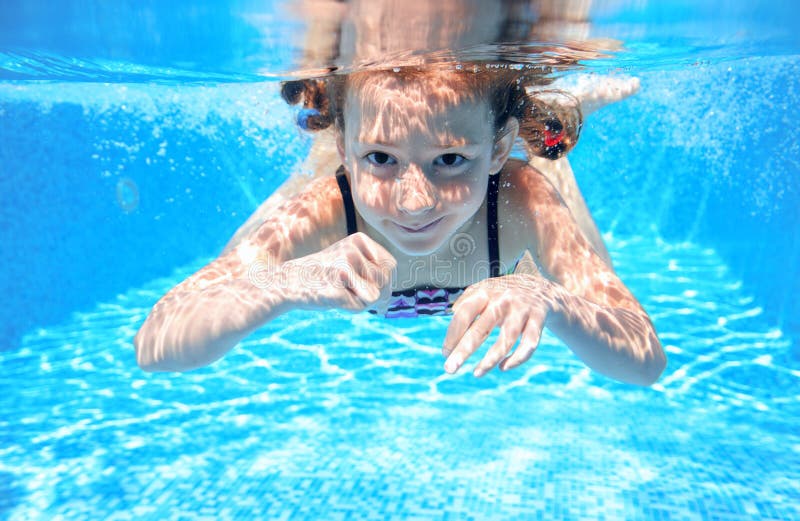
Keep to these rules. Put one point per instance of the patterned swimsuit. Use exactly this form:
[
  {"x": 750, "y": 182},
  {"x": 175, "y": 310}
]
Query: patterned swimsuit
[{"x": 428, "y": 300}]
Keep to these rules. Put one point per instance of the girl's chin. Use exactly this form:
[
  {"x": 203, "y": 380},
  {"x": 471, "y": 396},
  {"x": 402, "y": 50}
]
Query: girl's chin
[
  {"x": 417, "y": 244},
  {"x": 416, "y": 250}
]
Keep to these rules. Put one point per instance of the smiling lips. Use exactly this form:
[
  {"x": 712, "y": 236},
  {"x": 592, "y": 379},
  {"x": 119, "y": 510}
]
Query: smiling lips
[{"x": 422, "y": 229}]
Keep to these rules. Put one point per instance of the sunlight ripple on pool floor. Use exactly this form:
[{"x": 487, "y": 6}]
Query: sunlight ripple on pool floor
[{"x": 334, "y": 415}]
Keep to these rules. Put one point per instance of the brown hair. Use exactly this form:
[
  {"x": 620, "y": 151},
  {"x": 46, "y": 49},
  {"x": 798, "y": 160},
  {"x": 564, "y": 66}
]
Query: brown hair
[{"x": 550, "y": 120}]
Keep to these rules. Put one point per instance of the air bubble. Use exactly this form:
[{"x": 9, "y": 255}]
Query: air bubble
[{"x": 127, "y": 194}]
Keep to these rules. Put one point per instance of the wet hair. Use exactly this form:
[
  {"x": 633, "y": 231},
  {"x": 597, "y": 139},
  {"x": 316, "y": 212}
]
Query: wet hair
[{"x": 549, "y": 120}]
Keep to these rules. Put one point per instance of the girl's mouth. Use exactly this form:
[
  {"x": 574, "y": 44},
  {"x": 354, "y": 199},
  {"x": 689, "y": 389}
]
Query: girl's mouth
[{"x": 420, "y": 229}]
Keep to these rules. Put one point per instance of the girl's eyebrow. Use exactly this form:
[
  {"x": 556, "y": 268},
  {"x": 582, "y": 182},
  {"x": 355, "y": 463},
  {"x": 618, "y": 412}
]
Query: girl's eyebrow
[
  {"x": 467, "y": 144},
  {"x": 375, "y": 143},
  {"x": 459, "y": 145}
]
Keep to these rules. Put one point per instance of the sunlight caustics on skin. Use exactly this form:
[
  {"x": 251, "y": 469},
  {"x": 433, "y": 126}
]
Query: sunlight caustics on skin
[
  {"x": 593, "y": 91},
  {"x": 410, "y": 119}
]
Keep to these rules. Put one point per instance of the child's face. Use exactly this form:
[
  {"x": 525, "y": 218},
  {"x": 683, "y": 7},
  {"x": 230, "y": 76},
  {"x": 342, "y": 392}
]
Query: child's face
[{"x": 419, "y": 161}]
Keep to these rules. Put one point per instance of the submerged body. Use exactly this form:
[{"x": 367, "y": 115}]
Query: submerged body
[{"x": 419, "y": 165}]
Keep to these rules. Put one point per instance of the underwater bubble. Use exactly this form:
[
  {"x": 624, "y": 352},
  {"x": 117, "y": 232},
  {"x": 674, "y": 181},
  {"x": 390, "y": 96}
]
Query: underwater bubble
[{"x": 127, "y": 194}]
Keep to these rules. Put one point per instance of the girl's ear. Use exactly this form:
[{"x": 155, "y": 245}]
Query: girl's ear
[{"x": 504, "y": 144}]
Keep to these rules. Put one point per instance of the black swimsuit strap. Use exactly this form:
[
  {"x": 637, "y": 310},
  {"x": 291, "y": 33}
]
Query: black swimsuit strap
[
  {"x": 347, "y": 198},
  {"x": 491, "y": 217}
]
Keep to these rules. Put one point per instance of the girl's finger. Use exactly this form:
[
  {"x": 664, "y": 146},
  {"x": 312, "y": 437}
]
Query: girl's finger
[
  {"x": 476, "y": 334},
  {"x": 465, "y": 310},
  {"x": 374, "y": 252},
  {"x": 528, "y": 342},
  {"x": 378, "y": 271},
  {"x": 365, "y": 291},
  {"x": 509, "y": 333},
  {"x": 380, "y": 276}
]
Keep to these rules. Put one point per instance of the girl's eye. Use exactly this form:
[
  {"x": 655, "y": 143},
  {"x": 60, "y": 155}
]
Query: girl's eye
[
  {"x": 450, "y": 160},
  {"x": 380, "y": 159}
]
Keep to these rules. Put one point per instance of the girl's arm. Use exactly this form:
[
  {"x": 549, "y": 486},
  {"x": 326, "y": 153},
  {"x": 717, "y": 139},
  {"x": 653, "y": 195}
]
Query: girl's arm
[
  {"x": 577, "y": 295},
  {"x": 203, "y": 317},
  {"x": 595, "y": 313}
]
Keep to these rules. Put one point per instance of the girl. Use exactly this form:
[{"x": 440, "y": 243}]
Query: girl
[{"x": 425, "y": 215}]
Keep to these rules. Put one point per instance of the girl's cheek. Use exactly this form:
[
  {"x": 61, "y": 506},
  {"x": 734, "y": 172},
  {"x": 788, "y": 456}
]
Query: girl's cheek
[
  {"x": 464, "y": 187},
  {"x": 374, "y": 192}
]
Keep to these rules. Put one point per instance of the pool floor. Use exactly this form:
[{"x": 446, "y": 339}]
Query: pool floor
[{"x": 341, "y": 416}]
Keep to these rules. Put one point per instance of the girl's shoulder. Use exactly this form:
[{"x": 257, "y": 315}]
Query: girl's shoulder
[
  {"x": 291, "y": 226},
  {"x": 320, "y": 194},
  {"x": 530, "y": 209},
  {"x": 524, "y": 187},
  {"x": 308, "y": 221}
]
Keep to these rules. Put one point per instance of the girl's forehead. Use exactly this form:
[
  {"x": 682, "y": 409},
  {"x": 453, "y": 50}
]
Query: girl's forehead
[{"x": 389, "y": 109}]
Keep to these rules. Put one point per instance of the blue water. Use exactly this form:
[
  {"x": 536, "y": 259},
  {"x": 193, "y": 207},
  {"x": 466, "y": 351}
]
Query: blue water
[{"x": 126, "y": 164}]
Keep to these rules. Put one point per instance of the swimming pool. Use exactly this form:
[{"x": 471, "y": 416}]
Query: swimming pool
[{"x": 129, "y": 153}]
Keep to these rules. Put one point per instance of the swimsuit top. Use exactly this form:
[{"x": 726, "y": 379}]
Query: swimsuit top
[{"x": 428, "y": 300}]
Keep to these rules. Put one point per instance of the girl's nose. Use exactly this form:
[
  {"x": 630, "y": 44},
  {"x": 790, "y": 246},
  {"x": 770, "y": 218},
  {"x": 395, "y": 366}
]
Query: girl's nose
[{"x": 414, "y": 193}]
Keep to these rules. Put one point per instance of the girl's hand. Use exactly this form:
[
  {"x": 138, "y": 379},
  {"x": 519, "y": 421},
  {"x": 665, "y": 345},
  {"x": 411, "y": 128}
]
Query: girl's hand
[
  {"x": 354, "y": 273},
  {"x": 518, "y": 304}
]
